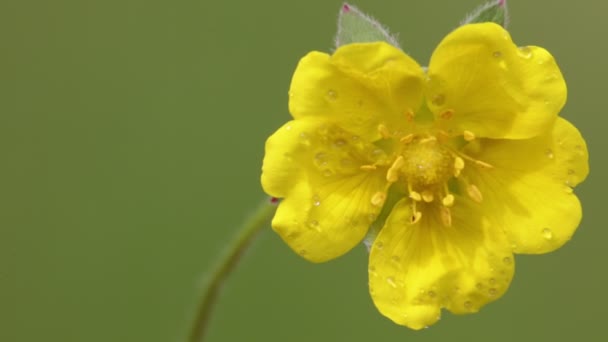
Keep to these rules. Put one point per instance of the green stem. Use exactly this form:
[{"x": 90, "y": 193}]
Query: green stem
[{"x": 226, "y": 264}]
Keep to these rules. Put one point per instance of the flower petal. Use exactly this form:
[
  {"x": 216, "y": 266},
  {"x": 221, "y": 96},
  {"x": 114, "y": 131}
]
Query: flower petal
[
  {"x": 359, "y": 87},
  {"x": 327, "y": 206},
  {"x": 481, "y": 82},
  {"x": 415, "y": 270},
  {"x": 528, "y": 191}
]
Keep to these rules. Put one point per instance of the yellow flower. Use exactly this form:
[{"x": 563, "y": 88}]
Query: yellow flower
[{"x": 472, "y": 148}]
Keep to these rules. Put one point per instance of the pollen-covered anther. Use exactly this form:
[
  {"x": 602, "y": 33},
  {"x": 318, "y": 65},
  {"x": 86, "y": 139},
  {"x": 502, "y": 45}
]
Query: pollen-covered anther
[
  {"x": 378, "y": 198},
  {"x": 385, "y": 133},
  {"x": 392, "y": 175},
  {"x": 468, "y": 135},
  {"x": 427, "y": 196},
  {"x": 407, "y": 139},
  {"x": 474, "y": 193},
  {"x": 368, "y": 167},
  {"x": 446, "y": 216},
  {"x": 458, "y": 166},
  {"x": 448, "y": 200},
  {"x": 415, "y": 196}
]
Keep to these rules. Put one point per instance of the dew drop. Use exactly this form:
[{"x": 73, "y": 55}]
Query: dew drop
[
  {"x": 396, "y": 258},
  {"x": 492, "y": 281},
  {"x": 492, "y": 292},
  {"x": 525, "y": 52},
  {"x": 347, "y": 162},
  {"x": 468, "y": 304},
  {"x": 547, "y": 234},
  {"x": 497, "y": 54},
  {"x": 570, "y": 171},
  {"x": 432, "y": 294},
  {"x": 478, "y": 286},
  {"x": 339, "y": 142},
  {"x": 316, "y": 201},
  {"x": 549, "y": 153},
  {"x": 391, "y": 282},
  {"x": 379, "y": 245},
  {"x": 355, "y": 138},
  {"x": 313, "y": 224},
  {"x": 438, "y": 99},
  {"x": 332, "y": 95},
  {"x": 303, "y": 252},
  {"x": 288, "y": 127},
  {"x": 507, "y": 260},
  {"x": 328, "y": 173}
]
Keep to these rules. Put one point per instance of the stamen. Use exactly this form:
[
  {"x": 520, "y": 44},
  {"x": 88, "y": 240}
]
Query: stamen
[
  {"x": 448, "y": 200},
  {"x": 428, "y": 139},
  {"x": 474, "y": 193},
  {"x": 446, "y": 216},
  {"x": 458, "y": 166},
  {"x": 477, "y": 162},
  {"x": 367, "y": 167},
  {"x": 427, "y": 196},
  {"x": 378, "y": 198},
  {"x": 415, "y": 196},
  {"x": 384, "y": 132},
  {"x": 468, "y": 135},
  {"x": 392, "y": 175},
  {"x": 407, "y": 139}
]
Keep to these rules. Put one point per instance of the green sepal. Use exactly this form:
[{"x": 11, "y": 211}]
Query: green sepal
[
  {"x": 494, "y": 11},
  {"x": 355, "y": 26}
]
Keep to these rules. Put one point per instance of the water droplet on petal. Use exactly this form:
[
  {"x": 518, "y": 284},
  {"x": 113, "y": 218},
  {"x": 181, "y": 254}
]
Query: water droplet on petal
[
  {"x": 525, "y": 52},
  {"x": 492, "y": 281},
  {"x": 313, "y": 224},
  {"x": 391, "y": 282},
  {"x": 288, "y": 127},
  {"x": 507, "y": 260},
  {"x": 379, "y": 245},
  {"x": 316, "y": 201},
  {"x": 396, "y": 258},
  {"x": 468, "y": 304},
  {"x": 547, "y": 234},
  {"x": 492, "y": 292},
  {"x": 339, "y": 143},
  {"x": 497, "y": 54},
  {"x": 432, "y": 294},
  {"x": 549, "y": 153},
  {"x": 332, "y": 95},
  {"x": 570, "y": 171},
  {"x": 438, "y": 99}
]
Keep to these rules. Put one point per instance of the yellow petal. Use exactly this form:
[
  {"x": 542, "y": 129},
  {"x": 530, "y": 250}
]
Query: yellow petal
[
  {"x": 529, "y": 192},
  {"x": 491, "y": 87},
  {"x": 360, "y": 87},
  {"x": 327, "y": 206},
  {"x": 417, "y": 269},
  {"x": 322, "y": 221}
]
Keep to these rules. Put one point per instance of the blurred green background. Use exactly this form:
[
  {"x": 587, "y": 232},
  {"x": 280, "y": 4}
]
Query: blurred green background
[{"x": 131, "y": 139}]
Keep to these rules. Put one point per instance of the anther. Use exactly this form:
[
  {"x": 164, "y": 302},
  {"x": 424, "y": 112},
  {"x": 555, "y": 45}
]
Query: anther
[
  {"x": 428, "y": 139},
  {"x": 474, "y": 193},
  {"x": 378, "y": 198},
  {"x": 446, "y": 216},
  {"x": 458, "y": 166},
  {"x": 448, "y": 200},
  {"x": 384, "y": 132},
  {"x": 468, "y": 135},
  {"x": 415, "y": 196},
  {"x": 367, "y": 167},
  {"x": 427, "y": 196},
  {"x": 407, "y": 139},
  {"x": 392, "y": 175}
]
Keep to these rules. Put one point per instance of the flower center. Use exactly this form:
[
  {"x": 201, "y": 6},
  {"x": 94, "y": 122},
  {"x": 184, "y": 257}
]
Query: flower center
[{"x": 425, "y": 164}]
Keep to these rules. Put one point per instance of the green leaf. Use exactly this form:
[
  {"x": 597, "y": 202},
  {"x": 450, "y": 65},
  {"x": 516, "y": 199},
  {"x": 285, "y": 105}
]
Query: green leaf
[
  {"x": 356, "y": 27},
  {"x": 494, "y": 11}
]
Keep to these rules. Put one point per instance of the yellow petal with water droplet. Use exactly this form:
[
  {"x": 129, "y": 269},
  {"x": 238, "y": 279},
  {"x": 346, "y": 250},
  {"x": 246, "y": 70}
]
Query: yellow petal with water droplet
[
  {"x": 360, "y": 86},
  {"x": 510, "y": 94},
  {"x": 529, "y": 193},
  {"x": 424, "y": 267}
]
